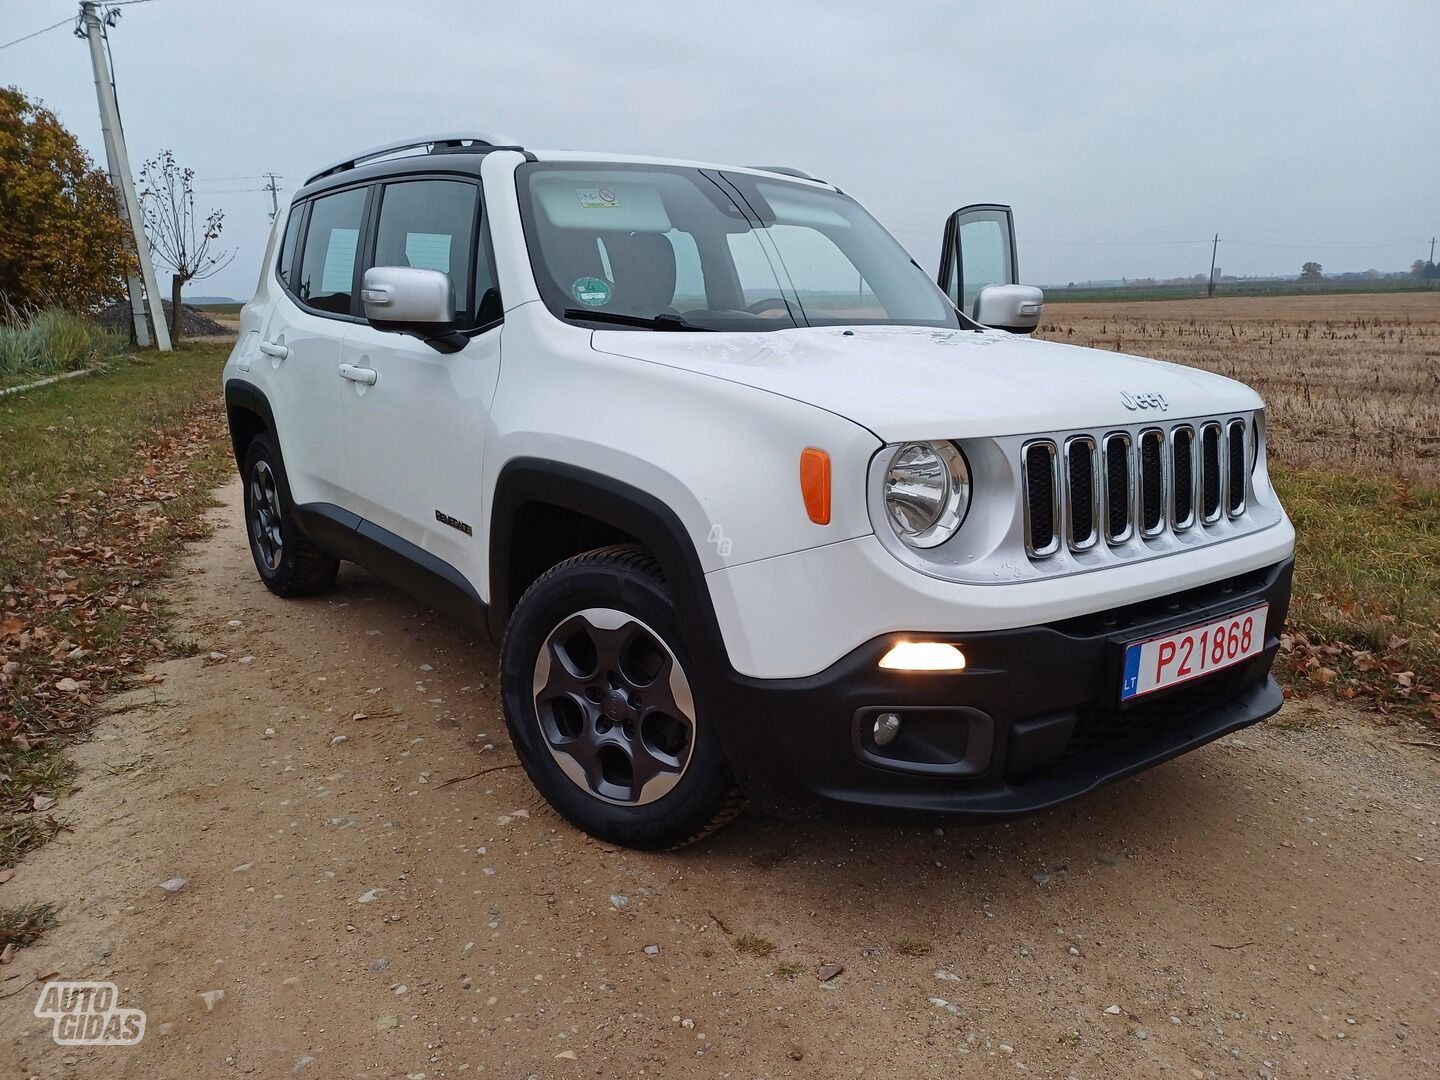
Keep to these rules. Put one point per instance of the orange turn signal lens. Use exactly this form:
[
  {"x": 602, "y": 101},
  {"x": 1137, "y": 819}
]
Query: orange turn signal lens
[
  {"x": 923, "y": 656},
  {"x": 815, "y": 484}
]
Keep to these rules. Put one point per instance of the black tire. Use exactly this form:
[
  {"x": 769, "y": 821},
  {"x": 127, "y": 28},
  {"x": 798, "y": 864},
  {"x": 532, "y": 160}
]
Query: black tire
[
  {"x": 600, "y": 736},
  {"x": 288, "y": 563}
]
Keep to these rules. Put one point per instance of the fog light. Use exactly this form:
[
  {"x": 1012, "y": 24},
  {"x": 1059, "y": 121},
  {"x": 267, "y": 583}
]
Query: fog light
[
  {"x": 923, "y": 656},
  {"x": 887, "y": 726}
]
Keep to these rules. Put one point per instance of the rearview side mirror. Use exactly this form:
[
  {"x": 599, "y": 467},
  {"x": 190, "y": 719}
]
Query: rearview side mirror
[
  {"x": 409, "y": 300},
  {"x": 1015, "y": 308}
]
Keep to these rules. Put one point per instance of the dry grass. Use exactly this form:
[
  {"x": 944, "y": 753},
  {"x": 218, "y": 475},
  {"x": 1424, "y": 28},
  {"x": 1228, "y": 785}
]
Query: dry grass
[
  {"x": 1350, "y": 382},
  {"x": 754, "y": 945}
]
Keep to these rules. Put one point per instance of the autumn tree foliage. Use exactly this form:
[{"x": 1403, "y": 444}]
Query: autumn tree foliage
[{"x": 63, "y": 241}]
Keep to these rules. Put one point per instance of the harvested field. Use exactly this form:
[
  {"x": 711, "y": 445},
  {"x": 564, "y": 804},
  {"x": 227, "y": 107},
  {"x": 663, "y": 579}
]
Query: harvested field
[{"x": 1350, "y": 381}]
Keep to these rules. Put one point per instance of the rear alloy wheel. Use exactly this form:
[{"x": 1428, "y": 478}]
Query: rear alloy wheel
[
  {"x": 604, "y": 709},
  {"x": 288, "y": 563},
  {"x": 264, "y": 516}
]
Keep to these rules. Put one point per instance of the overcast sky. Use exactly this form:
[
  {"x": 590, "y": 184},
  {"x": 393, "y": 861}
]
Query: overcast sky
[{"x": 1124, "y": 135}]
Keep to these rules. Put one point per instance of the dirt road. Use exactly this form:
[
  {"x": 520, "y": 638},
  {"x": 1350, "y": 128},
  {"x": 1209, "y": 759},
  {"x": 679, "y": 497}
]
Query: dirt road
[{"x": 1264, "y": 907}]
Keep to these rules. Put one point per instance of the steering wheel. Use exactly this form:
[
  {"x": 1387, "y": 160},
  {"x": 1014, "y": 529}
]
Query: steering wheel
[{"x": 770, "y": 303}]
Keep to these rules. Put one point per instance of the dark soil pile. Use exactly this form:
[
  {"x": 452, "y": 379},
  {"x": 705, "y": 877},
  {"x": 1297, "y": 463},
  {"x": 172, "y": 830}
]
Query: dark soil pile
[{"x": 192, "y": 323}]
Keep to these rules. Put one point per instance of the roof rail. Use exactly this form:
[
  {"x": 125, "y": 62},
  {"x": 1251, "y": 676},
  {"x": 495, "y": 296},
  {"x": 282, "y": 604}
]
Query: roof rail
[
  {"x": 785, "y": 170},
  {"x": 433, "y": 144}
]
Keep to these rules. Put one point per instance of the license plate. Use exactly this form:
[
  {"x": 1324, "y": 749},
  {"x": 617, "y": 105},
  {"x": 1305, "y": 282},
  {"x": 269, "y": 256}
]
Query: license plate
[{"x": 1178, "y": 657}]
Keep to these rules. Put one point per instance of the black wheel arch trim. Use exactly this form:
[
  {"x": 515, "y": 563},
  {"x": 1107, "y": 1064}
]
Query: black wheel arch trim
[
  {"x": 631, "y": 510},
  {"x": 244, "y": 396}
]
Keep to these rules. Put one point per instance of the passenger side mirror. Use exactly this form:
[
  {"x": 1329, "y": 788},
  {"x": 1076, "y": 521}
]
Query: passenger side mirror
[
  {"x": 979, "y": 269},
  {"x": 408, "y": 300},
  {"x": 1015, "y": 308}
]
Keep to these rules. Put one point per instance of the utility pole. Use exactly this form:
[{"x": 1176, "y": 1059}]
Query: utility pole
[
  {"x": 1430, "y": 269},
  {"x": 274, "y": 201},
  {"x": 1210, "y": 291},
  {"x": 118, "y": 160}
]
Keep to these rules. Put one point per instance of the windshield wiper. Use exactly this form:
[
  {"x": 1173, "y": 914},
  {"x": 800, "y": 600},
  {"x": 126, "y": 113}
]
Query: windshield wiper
[{"x": 663, "y": 321}]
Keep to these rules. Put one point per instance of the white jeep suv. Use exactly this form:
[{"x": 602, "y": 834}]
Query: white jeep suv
[{"x": 753, "y": 508}]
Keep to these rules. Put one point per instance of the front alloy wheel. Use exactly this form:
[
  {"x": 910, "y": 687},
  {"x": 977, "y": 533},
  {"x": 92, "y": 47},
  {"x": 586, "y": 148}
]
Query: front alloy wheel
[
  {"x": 614, "y": 706},
  {"x": 605, "y": 710}
]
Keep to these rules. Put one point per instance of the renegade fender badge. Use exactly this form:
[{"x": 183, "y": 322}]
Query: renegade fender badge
[{"x": 454, "y": 523}]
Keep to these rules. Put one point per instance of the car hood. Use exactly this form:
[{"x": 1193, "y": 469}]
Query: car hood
[{"x": 906, "y": 382}]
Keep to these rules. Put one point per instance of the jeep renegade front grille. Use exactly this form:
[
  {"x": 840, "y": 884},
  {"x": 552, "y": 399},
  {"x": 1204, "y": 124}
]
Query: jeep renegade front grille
[{"x": 1115, "y": 487}]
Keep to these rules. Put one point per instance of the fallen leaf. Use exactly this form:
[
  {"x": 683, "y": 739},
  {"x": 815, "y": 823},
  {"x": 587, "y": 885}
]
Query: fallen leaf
[{"x": 42, "y": 802}]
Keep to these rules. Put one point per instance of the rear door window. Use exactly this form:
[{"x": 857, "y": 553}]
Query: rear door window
[{"x": 332, "y": 247}]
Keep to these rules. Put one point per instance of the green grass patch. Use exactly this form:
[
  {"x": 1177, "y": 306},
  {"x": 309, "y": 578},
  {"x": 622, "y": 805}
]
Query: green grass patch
[
  {"x": 102, "y": 480},
  {"x": 64, "y": 448},
  {"x": 52, "y": 342},
  {"x": 1365, "y": 616}
]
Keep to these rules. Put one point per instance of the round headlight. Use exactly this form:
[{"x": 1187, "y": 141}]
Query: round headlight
[{"x": 927, "y": 491}]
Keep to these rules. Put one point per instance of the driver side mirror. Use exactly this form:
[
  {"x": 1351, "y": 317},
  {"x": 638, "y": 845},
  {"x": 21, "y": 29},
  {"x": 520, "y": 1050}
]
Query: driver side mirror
[
  {"x": 409, "y": 300},
  {"x": 978, "y": 269},
  {"x": 1015, "y": 308}
]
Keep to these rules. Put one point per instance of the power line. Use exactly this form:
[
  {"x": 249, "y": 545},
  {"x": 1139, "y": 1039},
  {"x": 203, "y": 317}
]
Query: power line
[
  {"x": 37, "y": 33},
  {"x": 68, "y": 22}
]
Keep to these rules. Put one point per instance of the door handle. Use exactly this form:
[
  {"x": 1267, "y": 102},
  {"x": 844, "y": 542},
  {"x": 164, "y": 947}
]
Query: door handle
[
  {"x": 358, "y": 374},
  {"x": 269, "y": 348}
]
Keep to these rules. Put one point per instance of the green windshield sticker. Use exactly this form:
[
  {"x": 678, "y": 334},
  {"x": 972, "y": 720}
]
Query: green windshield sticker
[
  {"x": 591, "y": 291},
  {"x": 598, "y": 198}
]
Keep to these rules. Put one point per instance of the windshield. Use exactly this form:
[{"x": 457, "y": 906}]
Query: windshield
[{"x": 620, "y": 245}]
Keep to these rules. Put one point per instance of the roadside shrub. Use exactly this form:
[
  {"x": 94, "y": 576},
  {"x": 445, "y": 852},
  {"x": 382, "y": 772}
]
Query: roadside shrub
[{"x": 51, "y": 342}]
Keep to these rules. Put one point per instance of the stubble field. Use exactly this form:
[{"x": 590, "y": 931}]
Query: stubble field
[{"x": 1350, "y": 382}]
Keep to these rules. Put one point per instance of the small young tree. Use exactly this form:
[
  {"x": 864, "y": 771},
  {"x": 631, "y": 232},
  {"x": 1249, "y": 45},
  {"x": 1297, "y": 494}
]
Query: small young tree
[{"x": 178, "y": 235}]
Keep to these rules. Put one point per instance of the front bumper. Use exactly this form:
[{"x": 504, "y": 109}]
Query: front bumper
[{"x": 1033, "y": 721}]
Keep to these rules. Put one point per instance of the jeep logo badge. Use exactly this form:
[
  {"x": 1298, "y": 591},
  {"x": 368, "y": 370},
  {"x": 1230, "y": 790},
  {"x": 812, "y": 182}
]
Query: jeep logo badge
[{"x": 1134, "y": 402}]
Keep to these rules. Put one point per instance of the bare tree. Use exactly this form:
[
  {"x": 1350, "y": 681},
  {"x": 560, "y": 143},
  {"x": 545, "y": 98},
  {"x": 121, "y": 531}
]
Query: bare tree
[{"x": 178, "y": 235}]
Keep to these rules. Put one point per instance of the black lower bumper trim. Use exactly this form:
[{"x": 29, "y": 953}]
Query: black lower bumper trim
[{"x": 1033, "y": 721}]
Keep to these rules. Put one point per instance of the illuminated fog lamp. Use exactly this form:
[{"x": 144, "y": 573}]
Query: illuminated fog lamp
[{"x": 923, "y": 656}]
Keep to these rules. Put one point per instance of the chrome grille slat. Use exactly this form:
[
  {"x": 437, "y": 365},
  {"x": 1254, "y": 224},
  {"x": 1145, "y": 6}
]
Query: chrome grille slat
[
  {"x": 1119, "y": 488},
  {"x": 1212, "y": 483},
  {"x": 1041, "y": 498},
  {"x": 1150, "y": 511},
  {"x": 1120, "y": 485},
  {"x": 1183, "y": 474},
  {"x": 1081, "y": 502},
  {"x": 1236, "y": 471}
]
